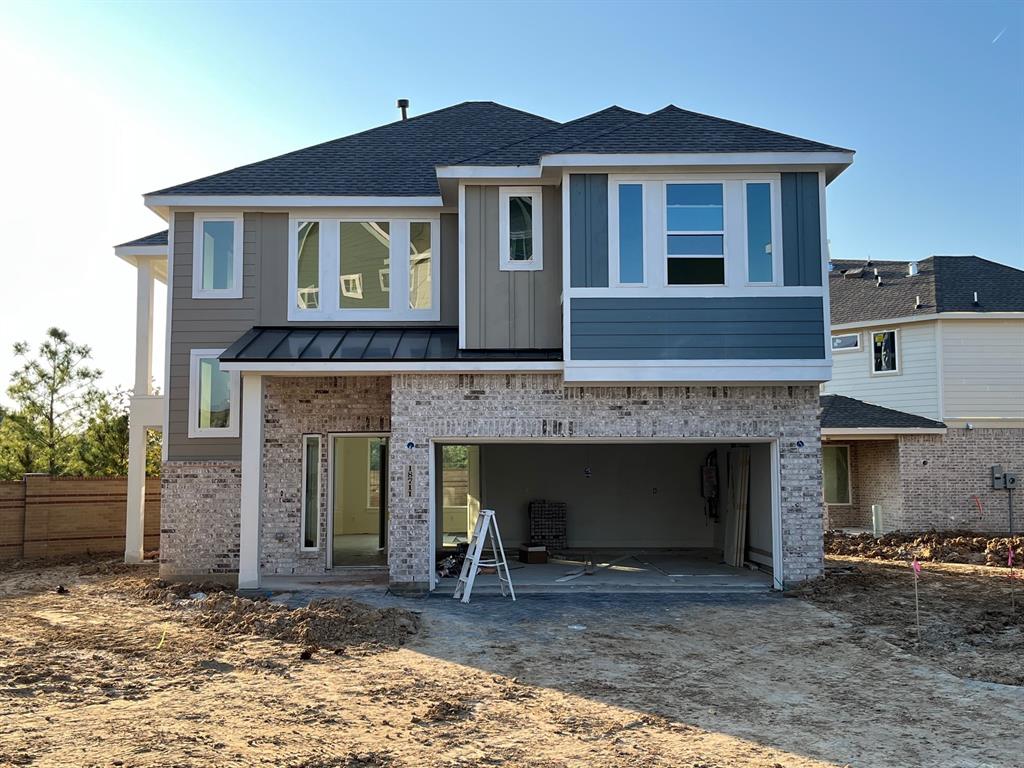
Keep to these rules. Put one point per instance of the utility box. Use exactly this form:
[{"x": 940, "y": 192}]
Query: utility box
[
  {"x": 997, "y": 477},
  {"x": 1010, "y": 481}
]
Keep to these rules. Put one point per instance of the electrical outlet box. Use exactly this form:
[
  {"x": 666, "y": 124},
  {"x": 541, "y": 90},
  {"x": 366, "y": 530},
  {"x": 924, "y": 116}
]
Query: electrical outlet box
[
  {"x": 997, "y": 476},
  {"x": 1010, "y": 481}
]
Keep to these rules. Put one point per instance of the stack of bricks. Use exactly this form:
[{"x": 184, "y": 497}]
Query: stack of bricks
[{"x": 548, "y": 524}]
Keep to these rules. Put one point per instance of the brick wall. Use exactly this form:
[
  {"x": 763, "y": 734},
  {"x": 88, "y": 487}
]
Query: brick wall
[
  {"x": 539, "y": 406},
  {"x": 874, "y": 479},
  {"x": 294, "y": 407},
  {"x": 940, "y": 475},
  {"x": 42, "y": 516},
  {"x": 199, "y": 530}
]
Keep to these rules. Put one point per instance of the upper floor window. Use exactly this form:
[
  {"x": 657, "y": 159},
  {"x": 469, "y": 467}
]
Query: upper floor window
[
  {"x": 363, "y": 269},
  {"x": 694, "y": 232},
  {"x": 520, "y": 229},
  {"x": 217, "y": 257},
  {"x": 842, "y": 342},
  {"x": 212, "y": 396},
  {"x": 884, "y": 352}
]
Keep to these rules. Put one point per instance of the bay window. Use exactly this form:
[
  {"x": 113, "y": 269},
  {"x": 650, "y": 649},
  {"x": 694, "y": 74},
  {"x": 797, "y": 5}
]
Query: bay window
[{"x": 363, "y": 269}]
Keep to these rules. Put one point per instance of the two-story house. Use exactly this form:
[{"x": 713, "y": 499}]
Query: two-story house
[
  {"x": 369, "y": 340},
  {"x": 927, "y": 393}
]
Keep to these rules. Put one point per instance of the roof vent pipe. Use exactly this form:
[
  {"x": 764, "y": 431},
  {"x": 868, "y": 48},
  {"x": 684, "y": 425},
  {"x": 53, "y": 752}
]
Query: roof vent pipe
[
  {"x": 912, "y": 269},
  {"x": 976, "y": 302},
  {"x": 403, "y": 104},
  {"x": 878, "y": 280},
  {"x": 917, "y": 302}
]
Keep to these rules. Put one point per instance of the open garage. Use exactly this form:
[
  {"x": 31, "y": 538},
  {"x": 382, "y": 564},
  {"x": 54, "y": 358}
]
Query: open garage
[{"x": 612, "y": 515}]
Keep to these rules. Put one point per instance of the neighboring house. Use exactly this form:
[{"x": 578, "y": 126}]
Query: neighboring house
[
  {"x": 373, "y": 338},
  {"x": 942, "y": 339}
]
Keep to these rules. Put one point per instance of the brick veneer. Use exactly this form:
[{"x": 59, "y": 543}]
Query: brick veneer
[
  {"x": 539, "y": 406},
  {"x": 199, "y": 518},
  {"x": 874, "y": 479}
]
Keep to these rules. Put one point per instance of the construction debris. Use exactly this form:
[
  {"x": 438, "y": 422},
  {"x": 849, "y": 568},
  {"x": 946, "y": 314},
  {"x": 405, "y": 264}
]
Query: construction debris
[{"x": 934, "y": 546}]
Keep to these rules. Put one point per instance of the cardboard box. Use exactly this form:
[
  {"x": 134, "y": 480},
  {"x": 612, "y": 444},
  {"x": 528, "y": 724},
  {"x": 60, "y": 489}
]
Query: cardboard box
[{"x": 533, "y": 554}]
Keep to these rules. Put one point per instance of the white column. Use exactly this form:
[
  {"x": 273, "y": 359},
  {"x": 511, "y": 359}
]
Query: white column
[
  {"x": 252, "y": 470},
  {"x": 144, "y": 330},
  {"x": 136, "y": 517}
]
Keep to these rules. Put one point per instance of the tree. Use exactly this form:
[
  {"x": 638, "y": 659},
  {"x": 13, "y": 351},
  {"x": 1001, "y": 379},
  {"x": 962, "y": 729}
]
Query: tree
[
  {"x": 103, "y": 445},
  {"x": 17, "y": 456},
  {"x": 55, "y": 393}
]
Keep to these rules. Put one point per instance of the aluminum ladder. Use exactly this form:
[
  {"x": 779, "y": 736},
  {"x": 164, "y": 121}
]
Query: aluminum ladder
[{"x": 486, "y": 525}]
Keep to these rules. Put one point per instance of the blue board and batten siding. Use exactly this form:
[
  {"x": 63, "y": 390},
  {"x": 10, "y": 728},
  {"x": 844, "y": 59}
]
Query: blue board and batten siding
[
  {"x": 684, "y": 328},
  {"x": 588, "y": 233}
]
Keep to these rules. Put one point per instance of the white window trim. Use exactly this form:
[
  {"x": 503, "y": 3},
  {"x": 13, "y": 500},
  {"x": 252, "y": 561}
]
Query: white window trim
[
  {"x": 849, "y": 479},
  {"x": 899, "y": 351},
  {"x": 848, "y": 349},
  {"x": 398, "y": 266},
  {"x": 656, "y": 238},
  {"x": 614, "y": 273},
  {"x": 235, "y": 291},
  {"x": 775, "y": 201},
  {"x": 505, "y": 263},
  {"x": 302, "y": 510},
  {"x": 194, "y": 430}
]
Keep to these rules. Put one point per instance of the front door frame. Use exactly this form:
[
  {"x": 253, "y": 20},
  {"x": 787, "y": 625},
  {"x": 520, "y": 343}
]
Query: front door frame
[
  {"x": 329, "y": 555},
  {"x": 776, "y": 478}
]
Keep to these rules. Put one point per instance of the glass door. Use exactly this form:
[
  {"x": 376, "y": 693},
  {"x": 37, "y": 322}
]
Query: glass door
[{"x": 359, "y": 518}]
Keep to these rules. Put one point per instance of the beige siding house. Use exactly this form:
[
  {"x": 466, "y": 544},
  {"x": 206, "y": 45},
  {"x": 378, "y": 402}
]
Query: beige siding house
[{"x": 942, "y": 339}]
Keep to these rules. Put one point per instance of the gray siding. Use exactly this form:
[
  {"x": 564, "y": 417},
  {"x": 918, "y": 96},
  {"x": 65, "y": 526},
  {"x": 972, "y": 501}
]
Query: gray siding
[
  {"x": 801, "y": 229},
  {"x": 588, "y": 230},
  {"x": 205, "y": 324},
  {"x": 680, "y": 328},
  {"x": 511, "y": 310},
  {"x": 273, "y": 253}
]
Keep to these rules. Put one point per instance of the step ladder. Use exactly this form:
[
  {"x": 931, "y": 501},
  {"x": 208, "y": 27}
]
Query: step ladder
[{"x": 485, "y": 526}]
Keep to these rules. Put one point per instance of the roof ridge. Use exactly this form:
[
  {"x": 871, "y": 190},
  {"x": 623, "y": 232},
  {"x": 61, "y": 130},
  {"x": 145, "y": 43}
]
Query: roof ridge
[
  {"x": 347, "y": 137},
  {"x": 640, "y": 119},
  {"x": 549, "y": 130}
]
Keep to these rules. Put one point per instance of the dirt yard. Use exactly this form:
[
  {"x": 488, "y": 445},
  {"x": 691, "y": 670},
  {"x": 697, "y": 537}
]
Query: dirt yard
[{"x": 102, "y": 667}]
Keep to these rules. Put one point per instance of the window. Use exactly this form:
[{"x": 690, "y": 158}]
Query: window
[
  {"x": 884, "y": 352},
  {"x": 835, "y": 461},
  {"x": 310, "y": 535},
  {"x": 363, "y": 269},
  {"x": 217, "y": 257},
  {"x": 308, "y": 290},
  {"x": 631, "y": 234},
  {"x": 420, "y": 271},
  {"x": 520, "y": 229},
  {"x": 695, "y": 232},
  {"x": 845, "y": 341},
  {"x": 213, "y": 396},
  {"x": 759, "y": 232},
  {"x": 374, "y": 461}
]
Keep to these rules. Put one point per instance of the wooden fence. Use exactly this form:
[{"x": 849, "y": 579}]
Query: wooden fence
[{"x": 43, "y": 516}]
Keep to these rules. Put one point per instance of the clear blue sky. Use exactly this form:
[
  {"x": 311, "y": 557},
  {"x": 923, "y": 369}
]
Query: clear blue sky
[{"x": 929, "y": 94}]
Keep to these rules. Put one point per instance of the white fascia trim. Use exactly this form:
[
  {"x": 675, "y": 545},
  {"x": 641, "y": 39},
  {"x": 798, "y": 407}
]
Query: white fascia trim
[
  {"x": 852, "y": 433},
  {"x": 571, "y": 160},
  {"x": 291, "y": 201},
  {"x": 393, "y": 367},
  {"x": 488, "y": 171},
  {"x": 142, "y": 251},
  {"x": 927, "y": 318},
  {"x": 709, "y": 371}
]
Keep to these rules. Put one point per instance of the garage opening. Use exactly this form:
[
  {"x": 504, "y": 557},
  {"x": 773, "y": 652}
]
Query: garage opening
[{"x": 612, "y": 515}]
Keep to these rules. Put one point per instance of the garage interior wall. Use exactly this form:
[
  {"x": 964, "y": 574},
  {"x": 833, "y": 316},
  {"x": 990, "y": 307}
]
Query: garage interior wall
[{"x": 619, "y": 495}]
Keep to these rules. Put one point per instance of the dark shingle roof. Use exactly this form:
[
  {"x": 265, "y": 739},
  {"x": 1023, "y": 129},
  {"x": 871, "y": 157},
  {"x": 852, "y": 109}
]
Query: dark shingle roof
[
  {"x": 839, "y": 412},
  {"x": 312, "y": 344},
  {"x": 529, "y": 150},
  {"x": 678, "y": 130},
  {"x": 157, "y": 238},
  {"x": 397, "y": 159},
  {"x": 944, "y": 284}
]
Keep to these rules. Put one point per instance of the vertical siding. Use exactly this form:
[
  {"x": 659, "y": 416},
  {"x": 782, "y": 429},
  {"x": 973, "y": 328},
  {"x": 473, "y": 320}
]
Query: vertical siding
[
  {"x": 801, "y": 229},
  {"x": 273, "y": 288},
  {"x": 588, "y": 230},
  {"x": 983, "y": 368},
  {"x": 914, "y": 390},
  {"x": 515, "y": 309},
  {"x": 205, "y": 324}
]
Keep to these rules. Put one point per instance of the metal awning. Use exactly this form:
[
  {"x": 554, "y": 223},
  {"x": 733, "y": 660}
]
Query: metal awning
[{"x": 320, "y": 344}]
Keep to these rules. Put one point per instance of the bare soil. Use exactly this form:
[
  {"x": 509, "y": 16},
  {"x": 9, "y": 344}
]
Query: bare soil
[
  {"x": 933, "y": 546},
  {"x": 103, "y": 665}
]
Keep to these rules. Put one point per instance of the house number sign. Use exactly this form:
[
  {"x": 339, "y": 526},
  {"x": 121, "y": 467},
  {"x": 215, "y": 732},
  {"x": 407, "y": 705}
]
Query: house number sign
[{"x": 410, "y": 482}]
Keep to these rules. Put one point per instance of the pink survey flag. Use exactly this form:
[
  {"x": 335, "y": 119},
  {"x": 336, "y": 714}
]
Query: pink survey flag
[
  {"x": 1009, "y": 559},
  {"x": 916, "y": 566}
]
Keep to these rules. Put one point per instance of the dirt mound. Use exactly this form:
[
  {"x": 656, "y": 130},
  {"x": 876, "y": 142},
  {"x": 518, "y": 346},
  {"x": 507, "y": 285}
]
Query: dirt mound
[
  {"x": 935, "y": 546},
  {"x": 325, "y": 623}
]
